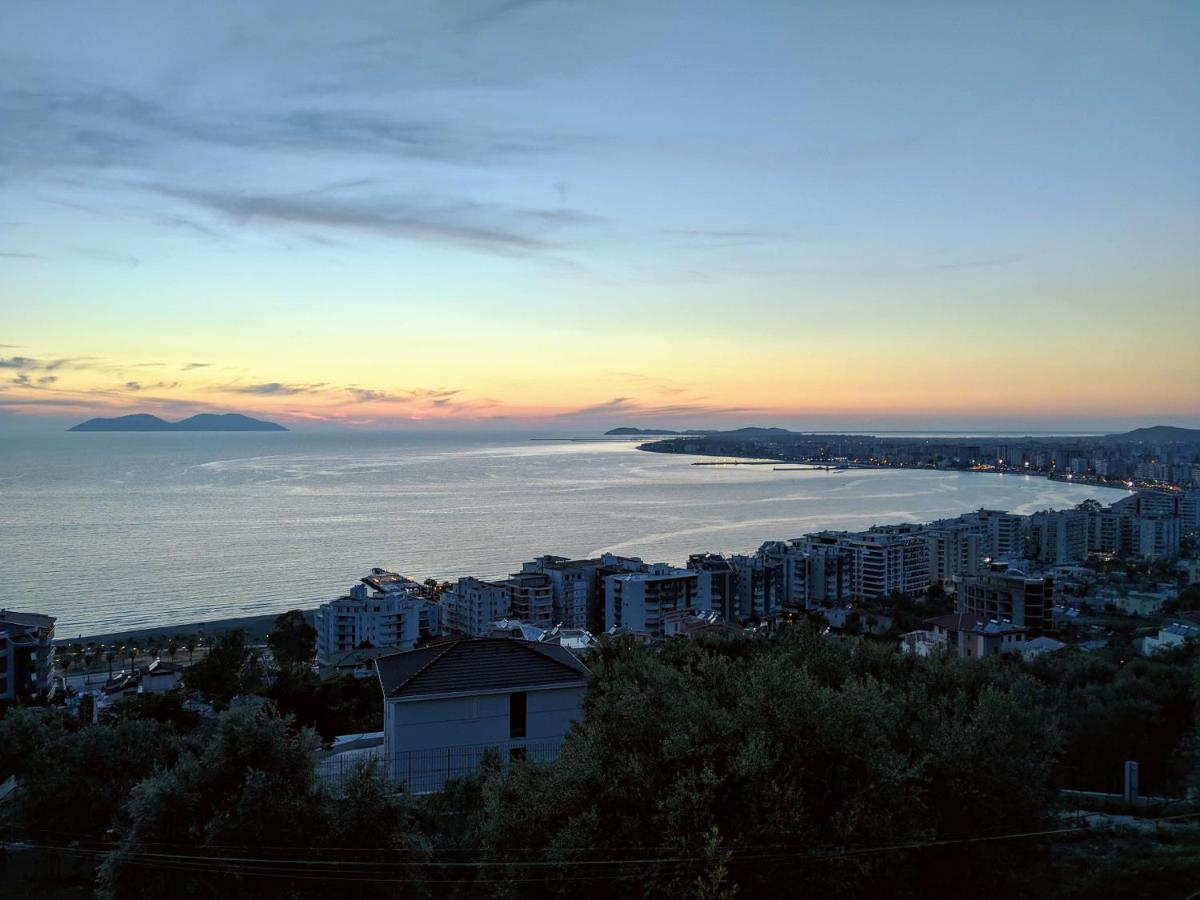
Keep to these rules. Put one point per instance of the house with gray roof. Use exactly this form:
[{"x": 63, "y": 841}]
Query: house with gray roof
[{"x": 447, "y": 705}]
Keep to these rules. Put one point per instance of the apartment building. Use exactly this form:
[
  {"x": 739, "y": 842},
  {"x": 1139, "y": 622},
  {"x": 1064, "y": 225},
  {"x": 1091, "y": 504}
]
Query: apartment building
[
  {"x": 383, "y": 610},
  {"x": 640, "y": 601},
  {"x": 473, "y": 605},
  {"x": 26, "y": 655},
  {"x": 1011, "y": 596}
]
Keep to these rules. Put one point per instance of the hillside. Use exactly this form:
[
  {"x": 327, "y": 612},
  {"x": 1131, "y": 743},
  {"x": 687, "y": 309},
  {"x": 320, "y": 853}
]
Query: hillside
[{"x": 1160, "y": 434}]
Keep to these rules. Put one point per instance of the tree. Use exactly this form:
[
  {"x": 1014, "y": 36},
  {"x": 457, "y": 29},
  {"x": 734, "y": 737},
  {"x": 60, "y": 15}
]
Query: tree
[
  {"x": 343, "y": 705},
  {"x": 293, "y": 641},
  {"x": 252, "y": 787},
  {"x": 227, "y": 670},
  {"x": 76, "y": 777}
]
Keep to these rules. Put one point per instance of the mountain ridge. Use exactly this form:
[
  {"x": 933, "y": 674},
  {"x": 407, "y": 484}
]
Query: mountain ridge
[{"x": 198, "y": 422}]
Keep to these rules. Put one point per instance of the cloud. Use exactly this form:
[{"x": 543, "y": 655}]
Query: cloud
[
  {"x": 10, "y": 254},
  {"x": 438, "y": 396},
  {"x": 72, "y": 125},
  {"x": 629, "y": 407},
  {"x": 18, "y": 362},
  {"x": 195, "y": 365},
  {"x": 617, "y": 404},
  {"x": 272, "y": 389},
  {"x": 132, "y": 386},
  {"x": 495, "y": 229},
  {"x": 25, "y": 380}
]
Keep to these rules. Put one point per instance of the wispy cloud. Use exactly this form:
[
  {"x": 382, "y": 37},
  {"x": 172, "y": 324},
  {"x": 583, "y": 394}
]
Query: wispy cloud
[
  {"x": 479, "y": 226},
  {"x": 272, "y": 389},
  {"x": 195, "y": 365},
  {"x": 12, "y": 254},
  {"x": 617, "y": 404}
]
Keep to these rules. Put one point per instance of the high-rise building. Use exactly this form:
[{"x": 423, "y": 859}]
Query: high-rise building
[
  {"x": 531, "y": 598},
  {"x": 1059, "y": 536},
  {"x": 1155, "y": 536},
  {"x": 26, "y": 655},
  {"x": 395, "y": 614},
  {"x": 572, "y": 583},
  {"x": 639, "y": 601},
  {"x": 758, "y": 585},
  {"x": 1009, "y": 596},
  {"x": 473, "y": 605},
  {"x": 721, "y": 583},
  {"x": 886, "y": 559},
  {"x": 956, "y": 548}
]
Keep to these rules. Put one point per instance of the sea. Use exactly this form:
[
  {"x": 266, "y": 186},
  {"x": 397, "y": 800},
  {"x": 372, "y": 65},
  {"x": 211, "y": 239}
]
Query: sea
[{"x": 110, "y": 532}]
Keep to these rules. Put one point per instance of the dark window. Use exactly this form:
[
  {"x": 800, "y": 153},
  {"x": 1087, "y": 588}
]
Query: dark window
[
  {"x": 515, "y": 753},
  {"x": 516, "y": 715}
]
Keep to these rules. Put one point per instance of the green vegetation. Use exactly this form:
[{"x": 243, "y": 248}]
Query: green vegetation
[
  {"x": 292, "y": 640},
  {"x": 719, "y": 767}
]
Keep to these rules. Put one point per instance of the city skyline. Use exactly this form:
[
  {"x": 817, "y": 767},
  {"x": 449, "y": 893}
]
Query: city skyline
[{"x": 563, "y": 216}]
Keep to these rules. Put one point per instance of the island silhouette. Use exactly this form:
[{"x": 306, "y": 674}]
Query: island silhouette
[{"x": 201, "y": 422}]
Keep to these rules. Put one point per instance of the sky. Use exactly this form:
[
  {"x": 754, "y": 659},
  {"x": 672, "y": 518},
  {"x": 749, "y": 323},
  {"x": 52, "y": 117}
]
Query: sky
[{"x": 550, "y": 213}]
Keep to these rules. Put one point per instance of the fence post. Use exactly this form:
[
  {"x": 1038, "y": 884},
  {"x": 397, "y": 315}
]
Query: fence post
[{"x": 1131, "y": 782}]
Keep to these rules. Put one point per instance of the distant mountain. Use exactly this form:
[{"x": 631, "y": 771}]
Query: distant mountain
[
  {"x": 201, "y": 422},
  {"x": 650, "y": 432},
  {"x": 1159, "y": 434}
]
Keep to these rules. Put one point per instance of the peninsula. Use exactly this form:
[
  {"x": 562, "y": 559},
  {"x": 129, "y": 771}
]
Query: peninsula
[
  {"x": 649, "y": 432},
  {"x": 201, "y": 422}
]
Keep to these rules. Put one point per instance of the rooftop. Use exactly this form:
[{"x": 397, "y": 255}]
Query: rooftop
[
  {"x": 25, "y": 620},
  {"x": 973, "y": 623},
  {"x": 477, "y": 664}
]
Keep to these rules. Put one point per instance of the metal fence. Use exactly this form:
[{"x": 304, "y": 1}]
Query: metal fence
[{"x": 427, "y": 771}]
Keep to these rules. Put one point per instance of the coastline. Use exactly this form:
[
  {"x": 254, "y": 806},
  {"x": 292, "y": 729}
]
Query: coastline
[
  {"x": 256, "y": 628},
  {"x": 792, "y": 465}
]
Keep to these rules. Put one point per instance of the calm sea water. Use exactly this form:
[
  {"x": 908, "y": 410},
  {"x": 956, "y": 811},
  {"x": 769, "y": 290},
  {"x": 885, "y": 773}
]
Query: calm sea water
[{"x": 112, "y": 531}]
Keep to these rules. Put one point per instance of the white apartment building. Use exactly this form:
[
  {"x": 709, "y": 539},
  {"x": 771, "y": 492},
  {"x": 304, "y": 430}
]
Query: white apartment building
[
  {"x": 472, "y": 605},
  {"x": 956, "y": 548},
  {"x": 640, "y": 600},
  {"x": 1059, "y": 536},
  {"x": 531, "y": 598},
  {"x": 1155, "y": 536},
  {"x": 571, "y": 586},
  {"x": 394, "y": 614}
]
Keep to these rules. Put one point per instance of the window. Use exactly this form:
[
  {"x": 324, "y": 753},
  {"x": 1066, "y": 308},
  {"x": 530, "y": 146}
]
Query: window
[{"x": 516, "y": 715}]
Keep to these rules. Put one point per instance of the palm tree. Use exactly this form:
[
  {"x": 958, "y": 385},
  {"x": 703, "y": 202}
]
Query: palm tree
[
  {"x": 172, "y": 648},
  {"x": 190, "y": 645},
  {"x": 108, "y": 655}
]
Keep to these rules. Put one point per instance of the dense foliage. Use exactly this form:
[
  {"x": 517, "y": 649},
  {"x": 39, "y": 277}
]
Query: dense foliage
[{"x": 747, "y": 766}]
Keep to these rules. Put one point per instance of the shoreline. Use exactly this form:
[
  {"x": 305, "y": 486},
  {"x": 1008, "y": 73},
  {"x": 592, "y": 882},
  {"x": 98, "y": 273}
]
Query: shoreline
[
  {"x": 256, "y": 628},
  {"x": 793, "y": 465}
]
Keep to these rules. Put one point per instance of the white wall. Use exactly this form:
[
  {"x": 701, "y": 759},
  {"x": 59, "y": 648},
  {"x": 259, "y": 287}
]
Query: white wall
[{"x": 428, "y": 741}]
